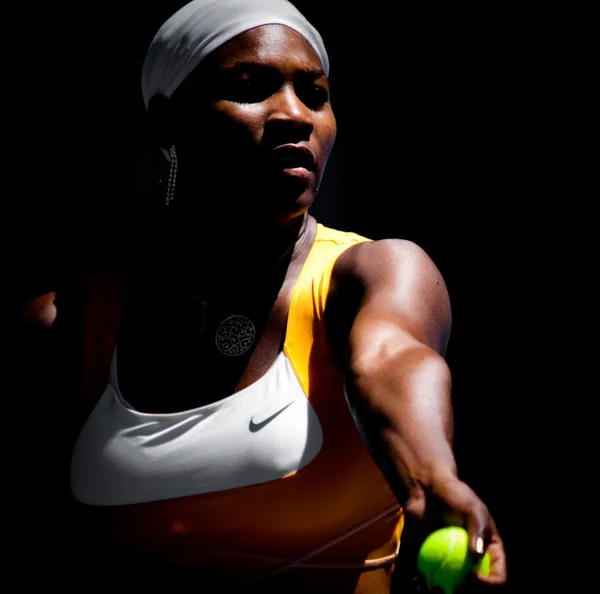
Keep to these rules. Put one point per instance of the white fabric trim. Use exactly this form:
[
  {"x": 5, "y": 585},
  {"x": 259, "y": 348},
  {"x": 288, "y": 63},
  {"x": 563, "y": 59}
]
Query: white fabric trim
[{"x": 259, "y": 434}]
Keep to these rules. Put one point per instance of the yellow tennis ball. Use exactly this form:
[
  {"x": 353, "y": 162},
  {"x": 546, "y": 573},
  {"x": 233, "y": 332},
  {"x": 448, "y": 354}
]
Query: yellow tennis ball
[{"x": 445, "y": 561}]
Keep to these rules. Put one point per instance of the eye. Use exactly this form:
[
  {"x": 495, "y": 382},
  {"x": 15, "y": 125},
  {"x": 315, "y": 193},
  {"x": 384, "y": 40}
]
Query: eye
[
  {"x": 318, "y": 96},
  {"x": 312, "y": 94},
  {"x": 249, "y": 87}
]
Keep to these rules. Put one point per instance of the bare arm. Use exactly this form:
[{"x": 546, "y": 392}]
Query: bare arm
[
  {"x": 398, "y": 383},
  {"x": 389, "y": 319}
]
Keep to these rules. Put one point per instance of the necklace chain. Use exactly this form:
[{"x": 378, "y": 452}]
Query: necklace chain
[
  {"x": 258, "y": 283},
  {"x": 236, "y": 333}
]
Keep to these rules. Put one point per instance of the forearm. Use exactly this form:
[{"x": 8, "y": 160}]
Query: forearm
[{"x": 401, "y": 402}]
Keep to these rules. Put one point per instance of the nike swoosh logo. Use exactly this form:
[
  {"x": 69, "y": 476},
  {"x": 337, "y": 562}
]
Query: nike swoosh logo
[{"x": 254, "y": 427}]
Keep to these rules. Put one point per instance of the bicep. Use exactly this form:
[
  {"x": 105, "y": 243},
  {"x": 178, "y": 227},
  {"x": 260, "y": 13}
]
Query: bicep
[
  {"x": 388, "y": 297},
  {"x": 398, "y": 384}
]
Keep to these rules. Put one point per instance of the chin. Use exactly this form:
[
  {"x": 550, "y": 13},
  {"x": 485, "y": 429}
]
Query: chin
[{"x": 292, "y": 192}]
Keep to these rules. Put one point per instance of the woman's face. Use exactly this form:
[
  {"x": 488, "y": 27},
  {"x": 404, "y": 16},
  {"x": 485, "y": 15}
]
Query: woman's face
[{"x": 257, "y": 120}]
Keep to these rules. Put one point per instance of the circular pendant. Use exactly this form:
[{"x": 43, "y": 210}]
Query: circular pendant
[{"x": 235, "y": 335}]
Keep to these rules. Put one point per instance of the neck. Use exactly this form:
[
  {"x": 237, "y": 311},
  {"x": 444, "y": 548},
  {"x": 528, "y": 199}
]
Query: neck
[{"x": 218, "y": 265}]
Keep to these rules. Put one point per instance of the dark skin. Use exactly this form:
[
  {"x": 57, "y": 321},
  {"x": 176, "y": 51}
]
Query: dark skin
[
  {"x": 263, "y": 113},
  {"x": 267, "y": 128}
]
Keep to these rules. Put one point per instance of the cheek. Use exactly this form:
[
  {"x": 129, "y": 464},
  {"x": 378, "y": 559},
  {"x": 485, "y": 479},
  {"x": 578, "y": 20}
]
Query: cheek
[
  {"x": 239, "y": 123},
  {"x": 223, "y": 137},
  {"x": 327, "y": 134}
]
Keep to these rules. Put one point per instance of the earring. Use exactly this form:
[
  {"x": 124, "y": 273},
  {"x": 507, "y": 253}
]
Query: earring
[{"x": 172, "y": 175}]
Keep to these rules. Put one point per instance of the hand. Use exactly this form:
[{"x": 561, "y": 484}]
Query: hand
[{"x": 451, "y": 502}]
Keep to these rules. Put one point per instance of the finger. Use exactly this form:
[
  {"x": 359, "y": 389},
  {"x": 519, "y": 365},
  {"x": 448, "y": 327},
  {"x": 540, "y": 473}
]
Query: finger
[
  {"x": 498, "y": 571},
  {"x": 475, "y": 583},
  {"x": 465, "y": 509},
  {"x": 479, "y": 528}
]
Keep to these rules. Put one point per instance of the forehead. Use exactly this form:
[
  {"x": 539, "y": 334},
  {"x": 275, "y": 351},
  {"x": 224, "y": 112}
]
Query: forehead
[{"x": 274, "y": 45}]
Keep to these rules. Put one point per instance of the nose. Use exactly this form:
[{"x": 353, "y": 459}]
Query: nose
[{"x": 288, "y": 112}]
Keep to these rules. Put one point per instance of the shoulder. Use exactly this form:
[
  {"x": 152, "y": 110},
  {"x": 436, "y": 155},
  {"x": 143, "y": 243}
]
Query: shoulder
[
  {"x": 399, "y": 262},
  {"x": 35, "y": 342},
  {"x": 37, "y": 311},
  {"x": 396, "y": 280}
]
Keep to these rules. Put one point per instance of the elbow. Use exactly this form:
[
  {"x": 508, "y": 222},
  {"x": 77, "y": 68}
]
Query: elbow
[
  {"x": 394, "y": 386},
  {"x": 411, "y": 361}
]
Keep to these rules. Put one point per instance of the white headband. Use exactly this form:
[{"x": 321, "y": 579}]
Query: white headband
[{"x": 202, "y": 26}]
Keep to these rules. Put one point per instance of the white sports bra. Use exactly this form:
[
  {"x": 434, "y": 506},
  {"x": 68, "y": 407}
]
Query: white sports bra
[{"x": 264, "y": 432}]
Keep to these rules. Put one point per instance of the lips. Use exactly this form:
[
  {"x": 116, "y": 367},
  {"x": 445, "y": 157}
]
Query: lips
[{"x": 293, "y": 156}]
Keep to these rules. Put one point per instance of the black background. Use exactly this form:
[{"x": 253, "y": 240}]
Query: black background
[
  {"x": 439, "y": 141},
  {"x": 433, "y": 131}
]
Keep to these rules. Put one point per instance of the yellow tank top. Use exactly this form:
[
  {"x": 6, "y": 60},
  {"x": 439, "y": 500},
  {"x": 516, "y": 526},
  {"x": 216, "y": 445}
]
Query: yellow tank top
[{"x": 334, "y": 524}]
